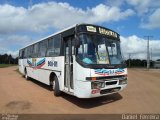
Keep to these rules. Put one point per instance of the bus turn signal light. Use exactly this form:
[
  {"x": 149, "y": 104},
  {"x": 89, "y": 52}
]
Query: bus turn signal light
[{"x": 93, "y": 78}]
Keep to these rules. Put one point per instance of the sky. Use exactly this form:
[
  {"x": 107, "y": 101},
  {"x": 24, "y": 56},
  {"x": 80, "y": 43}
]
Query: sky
[{"x": 25, "y": 21}]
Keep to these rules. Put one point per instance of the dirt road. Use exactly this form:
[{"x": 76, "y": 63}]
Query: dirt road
[{"x": 17, "y": 95}]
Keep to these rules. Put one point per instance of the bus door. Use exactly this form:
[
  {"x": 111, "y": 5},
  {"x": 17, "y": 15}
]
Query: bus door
[{"x": 68, "y": 70}]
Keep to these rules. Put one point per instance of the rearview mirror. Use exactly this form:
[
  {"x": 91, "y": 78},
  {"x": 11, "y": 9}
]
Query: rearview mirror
[{"x": 112, "y": 45}]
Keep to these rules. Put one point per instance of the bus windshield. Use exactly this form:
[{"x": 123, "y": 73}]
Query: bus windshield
[{"x": 97, "y": 49}]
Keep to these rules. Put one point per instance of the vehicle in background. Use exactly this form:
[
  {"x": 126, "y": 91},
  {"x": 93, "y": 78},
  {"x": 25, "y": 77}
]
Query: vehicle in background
[{"x": 156, "y": 64}]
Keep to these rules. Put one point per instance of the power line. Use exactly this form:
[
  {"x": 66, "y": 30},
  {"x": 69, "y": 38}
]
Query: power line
[{"x": 148, "y": 55}]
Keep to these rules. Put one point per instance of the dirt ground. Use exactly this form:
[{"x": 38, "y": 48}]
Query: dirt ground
[{"x": 17, "y": 95}]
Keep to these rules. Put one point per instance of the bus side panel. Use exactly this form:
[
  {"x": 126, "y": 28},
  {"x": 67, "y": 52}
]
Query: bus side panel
[
  {"x": 82, "y": 88},
  {"x": 56, "y": 65},
  {"x": 43, "y": 76},
  {"x": 60, "y": 65},
  {"x": 28, "y": 68},
  {"x": 32, "y": 73},
  {"x": 21, "y": 66},
  {"x": 41, "y": 68},
  {"x": 51, "y": 65}
]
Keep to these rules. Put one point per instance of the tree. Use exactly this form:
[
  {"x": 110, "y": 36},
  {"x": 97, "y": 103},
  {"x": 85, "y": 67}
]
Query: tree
[{"x": 8, "y": 59}]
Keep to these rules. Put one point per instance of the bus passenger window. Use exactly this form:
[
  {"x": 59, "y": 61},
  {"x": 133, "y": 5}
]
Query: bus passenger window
[
  {"x": 53, "y": 47},
  {"x": 42, "y": 48}
]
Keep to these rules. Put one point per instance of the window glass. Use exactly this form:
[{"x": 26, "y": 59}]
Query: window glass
[
  {"x": 102, "y": 54},
  {"x": 20, "y": 54},
  {"x": 112, "y": 49},
  {"x": 54, "y": 46},
  {"x": 35, "y": 50},
  {"x": 25, "y": 53},
  {"x": 29, "y": 52},
  {"x": 96, "y": 49},
  {"x": 42, "y": 48}
]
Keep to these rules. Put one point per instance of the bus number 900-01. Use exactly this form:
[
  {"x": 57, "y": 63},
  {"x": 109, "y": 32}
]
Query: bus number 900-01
[{"x": 52, "y": 63}]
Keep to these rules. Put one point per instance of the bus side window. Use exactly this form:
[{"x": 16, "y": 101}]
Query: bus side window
[
  {"x": 25, "y": 53},
  {"x": 35, "y": 50},
  {"x": 29, "y": 51},
  {"x": 20, "y": 54},
  {"x": 42, "y": 48},
  {"x": 54, "y": 46}
]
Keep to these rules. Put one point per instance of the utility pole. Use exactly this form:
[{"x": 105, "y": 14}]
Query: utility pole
[
  {"x": 148, "y": 55},
  {"x": 151, "y": 58}
]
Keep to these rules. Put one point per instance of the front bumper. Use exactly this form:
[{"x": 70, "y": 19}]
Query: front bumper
[{"x": 83, "y": 89}]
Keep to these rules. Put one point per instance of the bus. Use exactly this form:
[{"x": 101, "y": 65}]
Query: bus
[{"x": 83, "y": 60}]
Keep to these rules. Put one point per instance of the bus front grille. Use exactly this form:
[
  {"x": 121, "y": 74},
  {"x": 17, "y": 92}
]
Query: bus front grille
[
  {"x": 111, "y": 83},
  {"x": 107, "y": 78},
  {"x": 105, "y": 91}
]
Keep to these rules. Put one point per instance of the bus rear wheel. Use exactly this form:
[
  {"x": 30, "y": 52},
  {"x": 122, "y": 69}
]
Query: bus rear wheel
[
  {"x": 55, "y": 86},
  {"x": 26, "y": 75}
]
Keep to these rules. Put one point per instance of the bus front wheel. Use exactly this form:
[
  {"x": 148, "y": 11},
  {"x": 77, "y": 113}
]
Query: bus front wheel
[{"x": 56, "y": 89}]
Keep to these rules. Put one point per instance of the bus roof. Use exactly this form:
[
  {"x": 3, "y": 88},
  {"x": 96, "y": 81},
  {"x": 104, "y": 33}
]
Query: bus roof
[
  {"x": 61, "y": 32},
  {"x": 51, "y": 35}
]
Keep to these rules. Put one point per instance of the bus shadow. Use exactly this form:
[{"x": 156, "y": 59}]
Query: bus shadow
[
  {"x": 47, "y": 87},
  {"x": 86, "y": 103},
  {"x": 83, "y": 103},
  {"x": 92, "y": 102}
]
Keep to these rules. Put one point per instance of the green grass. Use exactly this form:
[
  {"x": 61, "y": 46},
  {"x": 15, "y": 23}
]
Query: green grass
[{"x": 6, "y": 65}]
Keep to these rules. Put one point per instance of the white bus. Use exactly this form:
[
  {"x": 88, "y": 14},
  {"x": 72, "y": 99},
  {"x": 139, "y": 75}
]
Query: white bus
[{"x": 84, "y": 60}]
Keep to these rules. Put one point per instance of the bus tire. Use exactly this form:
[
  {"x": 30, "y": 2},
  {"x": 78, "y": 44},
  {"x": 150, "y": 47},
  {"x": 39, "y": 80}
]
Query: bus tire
[
  {"x": 26, "y": 75},
  {"x": 56, "y": 89}
]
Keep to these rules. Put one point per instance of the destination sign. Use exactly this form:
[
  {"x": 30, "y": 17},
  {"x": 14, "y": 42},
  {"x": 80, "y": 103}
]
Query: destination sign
[
  {"x": 102, "y": 31},
  {"x": 107, "y": 32}
]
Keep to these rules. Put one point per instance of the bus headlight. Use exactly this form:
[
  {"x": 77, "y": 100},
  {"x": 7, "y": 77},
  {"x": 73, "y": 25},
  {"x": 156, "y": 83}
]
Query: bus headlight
[
  {"x": 122, "y": 81},
  {"x": 95, "y": 85}
]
